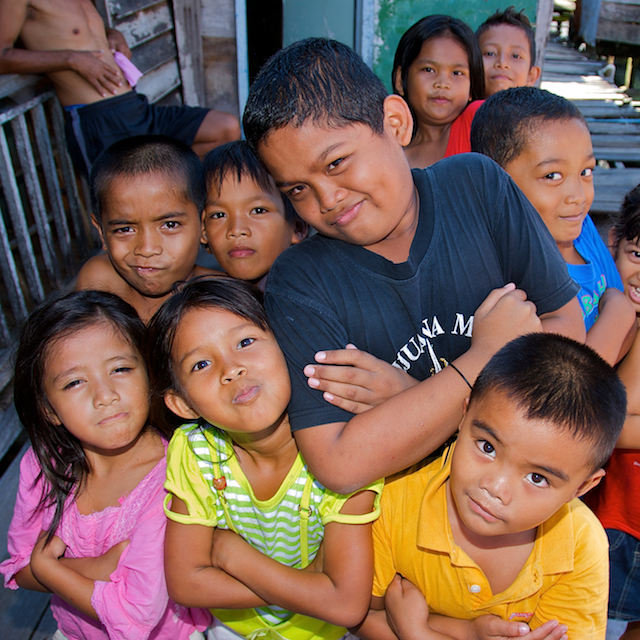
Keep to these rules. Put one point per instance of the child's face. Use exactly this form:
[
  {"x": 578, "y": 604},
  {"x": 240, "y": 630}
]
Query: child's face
[
  {"x": 245, "y": 227},
  {"x": 506, "y": 55},
  {"x": 509, "y": 473},
  {"x": 555, "y": 172},
  {"x": 152, "y": 235},
  {"x": 346, "y": 181},
  {"x": 438, "y": 82},
  {"x": 628, "y": 263},
  {"x": 231, "y": 372},
  {"x": 96, "y": 384}
]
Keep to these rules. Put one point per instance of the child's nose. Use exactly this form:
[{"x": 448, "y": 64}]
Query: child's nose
[
  {"x": 148, "y": 244},
  {"x": 576, "y": 193},
  {"x": 104, "y": 394},
  {"x": 502, "y": 60},
  {"x": 328, "y": 198},
  {"x": 497, "y": 486},
  {"x": 238, "y": 228},
  {"x": 232, "y": 371}
]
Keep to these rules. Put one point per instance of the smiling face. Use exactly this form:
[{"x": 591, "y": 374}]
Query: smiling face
[
  {"x": 506, "y": 55},
  {"x": 628, "y": 262},
  {"x": 509, "y": 473},
  {"x": 230, "y": 371},
  {"x": 97, "y": 387},
  {"x": 151, "y": 233},
  {"x": 438, "y": 82},
  {"x": 348, "y": 182},
  {"x": 555, "y": 172},
  {"x": 245, "y": 227}
]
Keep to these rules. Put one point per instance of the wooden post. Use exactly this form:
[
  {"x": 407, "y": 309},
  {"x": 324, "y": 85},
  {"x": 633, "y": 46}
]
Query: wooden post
[
  {"x": 544, "y": 14},
  {"x": 189, "y": 41}
]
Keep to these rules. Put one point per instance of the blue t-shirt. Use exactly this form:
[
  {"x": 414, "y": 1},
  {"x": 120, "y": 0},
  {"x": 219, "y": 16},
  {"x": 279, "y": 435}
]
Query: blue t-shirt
[{"x": 598, "y": 274}]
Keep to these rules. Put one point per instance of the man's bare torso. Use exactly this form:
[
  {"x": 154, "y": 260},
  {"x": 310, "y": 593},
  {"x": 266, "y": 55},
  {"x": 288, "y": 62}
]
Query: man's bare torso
[{"x": 68, "y": 24}]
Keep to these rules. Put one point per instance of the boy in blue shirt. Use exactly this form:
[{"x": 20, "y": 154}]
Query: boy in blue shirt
[
  {"x": 542, "y": 141},
  {"x": 405, "y": 264}
]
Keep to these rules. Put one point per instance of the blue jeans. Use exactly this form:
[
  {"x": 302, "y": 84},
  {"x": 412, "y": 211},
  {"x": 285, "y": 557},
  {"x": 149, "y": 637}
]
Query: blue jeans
[{"x": 624, "y": 588}]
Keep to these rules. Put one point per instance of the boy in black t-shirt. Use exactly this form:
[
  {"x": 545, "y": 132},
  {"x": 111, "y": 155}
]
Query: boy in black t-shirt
[{"x": 400, "y": 268}]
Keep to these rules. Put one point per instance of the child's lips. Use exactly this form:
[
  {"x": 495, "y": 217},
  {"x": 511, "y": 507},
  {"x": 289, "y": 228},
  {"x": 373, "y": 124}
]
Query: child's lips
[
  {"x": 117, "y": 416},
  {"x": 145, "y": 270},
  {"x": 240, "y": 252},
  {"x": 346, "y": 216},
  {"x": 634, "y": 294},
  {"x": 482, "y": 511},
  {"x": 246, "y": 394}
]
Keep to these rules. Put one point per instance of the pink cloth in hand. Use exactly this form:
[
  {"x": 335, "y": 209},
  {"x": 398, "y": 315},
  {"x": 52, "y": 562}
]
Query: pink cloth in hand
[{"x": 129, "y": 70}]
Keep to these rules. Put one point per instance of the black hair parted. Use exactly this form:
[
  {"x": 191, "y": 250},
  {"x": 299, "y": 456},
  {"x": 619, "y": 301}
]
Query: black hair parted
[
  {"x": 218, "y": 293},
  {"x": 238, "y": 159},
  {"x": 626, "y": 223},
  {"x": 515, "y": 19},
  {"x": 438, "y": 26},
  {"x": 143, "y": 155},
  {"x": 315, "y": 79},
  {"x": 502, "y": 125},
  {"x": 63, "y": 462},
  {"x": 556, "y": 379}
]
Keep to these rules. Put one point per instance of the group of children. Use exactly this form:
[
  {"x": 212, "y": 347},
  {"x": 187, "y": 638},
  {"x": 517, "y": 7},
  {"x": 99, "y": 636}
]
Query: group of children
[{"x": 423, "y": 306}]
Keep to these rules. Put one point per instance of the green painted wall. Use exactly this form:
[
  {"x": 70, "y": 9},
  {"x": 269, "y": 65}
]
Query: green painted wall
[
  {"x": 322, "y": 18},
  {"x": 396, "y": 16}
]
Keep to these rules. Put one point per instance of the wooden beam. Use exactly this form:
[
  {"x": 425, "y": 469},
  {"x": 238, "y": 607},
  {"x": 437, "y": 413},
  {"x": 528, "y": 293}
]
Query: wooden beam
[
  {"x": 543, "y": 22},
  {"x": 189, "y": 41}
]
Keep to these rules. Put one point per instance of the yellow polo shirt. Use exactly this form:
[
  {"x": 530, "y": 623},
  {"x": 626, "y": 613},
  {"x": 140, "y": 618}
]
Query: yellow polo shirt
[{"x": 566, "y": 577}]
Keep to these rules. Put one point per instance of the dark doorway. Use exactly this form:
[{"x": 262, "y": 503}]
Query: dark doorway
[{"x": 264, "y": 32}]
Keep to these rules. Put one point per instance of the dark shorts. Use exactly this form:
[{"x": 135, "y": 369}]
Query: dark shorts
[
  {"x": 92, "y": 128},
  {"x": 624, "y": 588}
]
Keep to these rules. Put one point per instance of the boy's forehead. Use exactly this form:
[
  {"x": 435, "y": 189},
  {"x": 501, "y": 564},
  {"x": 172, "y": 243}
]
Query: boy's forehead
[{"x": 505, "y": 35}]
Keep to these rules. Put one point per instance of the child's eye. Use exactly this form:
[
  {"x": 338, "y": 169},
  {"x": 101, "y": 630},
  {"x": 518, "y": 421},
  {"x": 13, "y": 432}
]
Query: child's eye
[
  {"x": 428, "y": 69},
  {"x": 516, "y": 56},
  {"x": 200, "y": 365},
  {"x": 122, "y": 369},
  {"x": 171, "y": 224},
  {"x": 635, "y": 254},
  {"x": 123, "y": 230},
  {"x": 72, "y": 384},
  {"x": 217, "y": 215},
  {"x": 489, "y": 53},
  {"x": 554, "y": 175},
  {"x": 537, "y": 480},
  {"x": 336, "y": 163},
  {"x": 259, "y": 210},
  {"x": 459, "y": 72},
  {"x": 486, "y": 447},
  {"x": 245, "y": 342},
  {"x": 294, "y": 191},
  {"x": 588, "y": 172}
]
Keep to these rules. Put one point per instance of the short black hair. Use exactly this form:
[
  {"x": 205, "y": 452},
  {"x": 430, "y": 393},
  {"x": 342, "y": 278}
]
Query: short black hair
[
  {"x": 501, "y": 126},
  {"x": 142, "y": 155},
  {"x": 626, "y": 223},
  {"x": 318, "y": 79},
  {"x": 219, "y": 292},
  {"x": 514, "y": 18},
  {"x": 239, "y": 158},
  {"x": 439, "y": 26},
  {"x": 556, "y": 379}
]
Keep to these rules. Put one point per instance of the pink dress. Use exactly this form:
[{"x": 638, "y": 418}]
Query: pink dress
[{"x": 135, "y": 603}]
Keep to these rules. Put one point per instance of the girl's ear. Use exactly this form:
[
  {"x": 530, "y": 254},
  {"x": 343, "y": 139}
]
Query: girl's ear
[
  {"x": 204, "y": 241},
  {"x": 177, "y": 405},
  {"x": 398, "y": 119},
  {"x": 397, "y": 81},
  {"x": 52, "y": 416},
  {"x": 534, "y": 75},
  {"x": 300, "y": 231}
]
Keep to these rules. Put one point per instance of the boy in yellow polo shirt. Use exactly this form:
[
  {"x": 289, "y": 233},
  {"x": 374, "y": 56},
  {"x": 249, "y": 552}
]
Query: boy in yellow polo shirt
[{"x": 494, "y": 527}]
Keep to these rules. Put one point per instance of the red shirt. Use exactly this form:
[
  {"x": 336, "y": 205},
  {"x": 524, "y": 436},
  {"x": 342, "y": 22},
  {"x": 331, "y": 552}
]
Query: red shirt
[{"x": 460, "y": 134}]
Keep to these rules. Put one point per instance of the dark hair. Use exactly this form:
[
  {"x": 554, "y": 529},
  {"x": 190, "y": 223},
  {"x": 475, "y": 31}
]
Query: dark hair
[
  {"x": 238, "y": 158},
  {"x": 515, "y": 19},
  {"x": 626, "y": 223},
  {"x": 438, "y": 26},
  {"x": 220, "y": 292},
  {"x": 501, "y": 126},
  {"x": 63, "y": 462},
  {"x": 142, "y": 155},
  {"x": 314, "y": 78},
  {"x": 556, "y": 379}
]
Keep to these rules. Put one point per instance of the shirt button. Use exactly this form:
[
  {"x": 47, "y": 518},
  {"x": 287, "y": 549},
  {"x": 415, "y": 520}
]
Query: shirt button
[{"x": 475, "y": 588}]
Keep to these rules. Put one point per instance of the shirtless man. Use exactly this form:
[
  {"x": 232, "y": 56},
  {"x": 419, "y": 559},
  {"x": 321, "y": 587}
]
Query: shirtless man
[{"x": 67, "y": 40}]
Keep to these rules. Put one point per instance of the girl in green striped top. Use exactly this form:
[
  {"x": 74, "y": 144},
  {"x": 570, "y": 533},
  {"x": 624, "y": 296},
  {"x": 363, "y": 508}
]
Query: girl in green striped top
[{"x": 252, "y": 534}]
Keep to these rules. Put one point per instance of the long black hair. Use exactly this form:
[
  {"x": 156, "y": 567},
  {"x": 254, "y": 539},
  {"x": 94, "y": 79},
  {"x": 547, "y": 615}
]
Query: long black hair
[{"x": 63, "y": 462}]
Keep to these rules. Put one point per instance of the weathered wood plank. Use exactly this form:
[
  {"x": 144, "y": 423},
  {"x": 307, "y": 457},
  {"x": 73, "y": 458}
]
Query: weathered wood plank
[
  {"x": 610, "y": 140},
  {"x": 122, "y": 8},
  {"x": 627, "y": 178},
  {"x": 189, "y": 41},
  {"x": 620, "y": 12},
  {"x": 615, "y": 128},
  {"x": 21, "y": 612},
  {"x": 47, "y": 626},
  {"x": 144, "y": 25},
  {"x": 615, "y": 31},
  {"x": 155, "y": 52},
  {"x": 161, "y": 81},
  {"x": 609, "y": 112}
]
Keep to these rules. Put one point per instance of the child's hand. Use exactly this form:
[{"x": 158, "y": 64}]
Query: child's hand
[
  {"x": 355, "y": 380},
  {"x": 504, "y": 315},
  {"x": 494, "y": 628},
  {"x": 44, "y": 559},
  {"x": 407, "y": 610},
  {"x": 109, "y": 560}
]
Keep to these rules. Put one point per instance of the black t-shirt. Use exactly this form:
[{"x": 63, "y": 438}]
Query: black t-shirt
[{"x": 476, "y": 232}]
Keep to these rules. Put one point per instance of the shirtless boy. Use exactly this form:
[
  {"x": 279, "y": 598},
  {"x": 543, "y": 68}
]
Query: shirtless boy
[
  {"x": 67, "y": 41},
  {"x": 147, "y": 196}
]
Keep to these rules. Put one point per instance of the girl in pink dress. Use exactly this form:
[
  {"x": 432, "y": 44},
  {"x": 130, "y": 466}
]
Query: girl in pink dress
[{"x": 88, "y": 524}]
